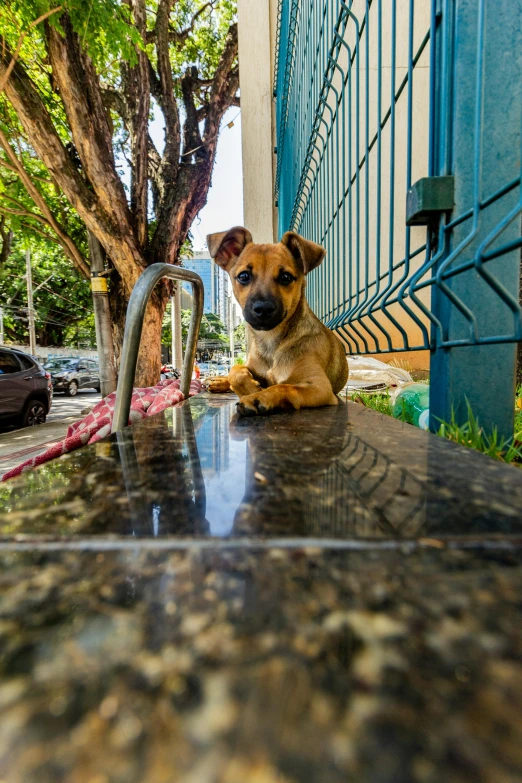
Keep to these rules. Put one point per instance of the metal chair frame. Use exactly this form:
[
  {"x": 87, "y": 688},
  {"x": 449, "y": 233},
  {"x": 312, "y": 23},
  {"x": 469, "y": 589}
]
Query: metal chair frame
[{"x": 133, "y": 328}]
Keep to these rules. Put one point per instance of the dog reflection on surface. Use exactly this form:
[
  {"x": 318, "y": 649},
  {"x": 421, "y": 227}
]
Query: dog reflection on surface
[
  {"x": 293, "y": 361},
  {"x": 283, "y": 483}
]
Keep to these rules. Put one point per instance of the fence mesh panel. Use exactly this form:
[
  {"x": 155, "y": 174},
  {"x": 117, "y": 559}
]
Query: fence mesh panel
[{"x": 369, "y": 95}]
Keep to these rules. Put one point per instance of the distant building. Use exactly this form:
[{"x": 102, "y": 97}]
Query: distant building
[
  {"x": 213, "y": 443},
  {"x": 215, "y": 282},
  {"x": 233, "y": 311}
]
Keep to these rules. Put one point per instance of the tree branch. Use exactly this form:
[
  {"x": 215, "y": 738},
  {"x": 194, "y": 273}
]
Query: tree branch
[
  {"x": 84, "y": 270},
  {"x": 136, "y": 81},
  {"x": 25, "y": 210},
  {"x": 34, "y": 193},
  {"x": 8, "y": 166},
  {"x": 167, "y": 98},
  {"x": 180, "y": 37},
  {"x": 191, "y": 135},
  {"x": 112, "y": 227},
  {"x": 7, "y": 242},
  {"x": 114, "y": 100},
  {"x": 154, "y": 160},
  {"x": 182, "y": 203},
  {"x": 80, "y": 91},
  {"x": 224, "y": 88},
  {"x": 5, "y": 77},
  {"x": 155, "y": 84}
]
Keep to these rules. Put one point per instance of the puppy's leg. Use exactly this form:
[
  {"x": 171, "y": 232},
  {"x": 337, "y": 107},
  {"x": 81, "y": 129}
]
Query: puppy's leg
[
  {"x": 239, "y": 380},
  {"x": 218, "y": 385},
  {"x": 314, "y": 393},
  {"x": 242, "y": 382}
]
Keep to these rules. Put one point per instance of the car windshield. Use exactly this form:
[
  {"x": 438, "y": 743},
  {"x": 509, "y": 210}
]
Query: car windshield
[{"x": 61, "y": 364}]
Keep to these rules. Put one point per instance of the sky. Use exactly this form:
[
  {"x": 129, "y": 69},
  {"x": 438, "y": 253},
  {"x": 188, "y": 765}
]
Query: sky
[{"x": 224, "y": 207}]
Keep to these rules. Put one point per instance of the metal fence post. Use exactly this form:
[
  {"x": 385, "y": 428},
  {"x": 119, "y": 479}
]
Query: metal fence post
[{"x": 480, "y": 101}]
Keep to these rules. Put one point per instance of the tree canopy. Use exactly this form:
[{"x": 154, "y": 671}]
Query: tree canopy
[
  {"x": 81, "y": 102},
  {"x": 62, "y": 297},
  {"x": 213, "y": 330}
]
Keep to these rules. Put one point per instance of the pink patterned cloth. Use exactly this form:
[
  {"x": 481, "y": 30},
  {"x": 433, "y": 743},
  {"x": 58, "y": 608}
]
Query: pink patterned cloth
[{"x": 97, "y": 424}]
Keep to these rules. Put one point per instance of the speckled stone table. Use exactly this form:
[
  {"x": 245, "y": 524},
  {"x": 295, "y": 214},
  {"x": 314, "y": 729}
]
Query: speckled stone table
[{"x": 322, "y": 596}]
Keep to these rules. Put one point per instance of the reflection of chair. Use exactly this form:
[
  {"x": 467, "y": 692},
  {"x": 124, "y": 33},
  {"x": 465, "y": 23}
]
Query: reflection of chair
[
  {"x": 133, "y": 326},
  {"x": 183, "y": 497},
  {"x": 195, "y": 465}
]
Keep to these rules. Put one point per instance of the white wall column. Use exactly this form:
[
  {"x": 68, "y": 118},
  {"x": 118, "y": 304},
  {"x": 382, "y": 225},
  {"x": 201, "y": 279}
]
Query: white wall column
[{"x": 255, "y": 77}]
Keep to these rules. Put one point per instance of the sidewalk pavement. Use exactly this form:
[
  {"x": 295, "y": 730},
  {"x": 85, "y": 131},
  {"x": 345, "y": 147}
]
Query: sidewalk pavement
[{"x": 18, "y": 445}]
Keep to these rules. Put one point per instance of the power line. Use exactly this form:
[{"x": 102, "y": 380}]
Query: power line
[
  {"x": 50, "y": 290},
  {"x": 65, "y": 298}
]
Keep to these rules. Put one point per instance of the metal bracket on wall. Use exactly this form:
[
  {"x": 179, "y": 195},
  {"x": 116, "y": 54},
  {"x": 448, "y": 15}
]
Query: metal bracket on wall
[{"x": 427, "y": 198}]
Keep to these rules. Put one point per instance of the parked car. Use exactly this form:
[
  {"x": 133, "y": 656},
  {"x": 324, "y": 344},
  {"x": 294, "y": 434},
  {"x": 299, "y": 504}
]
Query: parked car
[
  {"x": 26, "y": 391},
  {"x": 71, "y": 373},
  {"x": 211, "y": 369}
]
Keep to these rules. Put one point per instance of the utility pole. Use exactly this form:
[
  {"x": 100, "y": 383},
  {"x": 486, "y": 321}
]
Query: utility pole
[
  {"x": 1, "y": 326},
  {"x": 30, "y": 308},
  {"x": 102, "y": 318},
  {"x": 175, "y": 322}
]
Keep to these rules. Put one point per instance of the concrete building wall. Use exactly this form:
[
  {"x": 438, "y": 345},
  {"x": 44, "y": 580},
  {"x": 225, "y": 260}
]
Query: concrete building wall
[{"x": 255, "y": 77}]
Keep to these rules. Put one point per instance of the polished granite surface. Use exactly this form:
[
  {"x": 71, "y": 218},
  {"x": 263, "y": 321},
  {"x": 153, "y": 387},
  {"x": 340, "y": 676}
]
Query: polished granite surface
[
  {"x": 199, "y": 470},
  {"x": 261, "y": 667},
  {"x": 320, "y": 597}
]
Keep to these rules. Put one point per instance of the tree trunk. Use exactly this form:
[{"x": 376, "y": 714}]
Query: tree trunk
[
  {"x": 179, "y": 178},
  {"x": 149, "y": 359}
]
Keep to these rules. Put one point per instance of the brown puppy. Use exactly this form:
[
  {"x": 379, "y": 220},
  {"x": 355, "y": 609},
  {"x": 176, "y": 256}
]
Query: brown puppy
[{"x": 294, "y": 361}]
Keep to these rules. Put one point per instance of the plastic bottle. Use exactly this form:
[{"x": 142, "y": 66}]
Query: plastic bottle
[{"x": 411, "y": 403}]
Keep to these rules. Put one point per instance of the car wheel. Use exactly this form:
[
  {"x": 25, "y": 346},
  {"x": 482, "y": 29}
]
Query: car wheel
[
  {"x": 34, "y": 413},
  {"x": 72, "y": 389}
]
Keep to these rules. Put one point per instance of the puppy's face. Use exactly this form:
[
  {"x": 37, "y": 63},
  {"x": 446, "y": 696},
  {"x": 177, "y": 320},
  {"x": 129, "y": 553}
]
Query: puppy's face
[
  {"x": 268, "y": 284},
  {"x": 268, "y": 280}
]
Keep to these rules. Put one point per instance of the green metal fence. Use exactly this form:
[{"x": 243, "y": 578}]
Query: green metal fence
[{"x": 399, "y": 150}]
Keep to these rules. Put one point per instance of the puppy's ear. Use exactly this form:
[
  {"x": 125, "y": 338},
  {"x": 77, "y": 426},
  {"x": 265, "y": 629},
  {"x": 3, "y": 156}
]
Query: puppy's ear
[
  {"x": 307, "y": 254},
  {"x": 227, "y": 246}
]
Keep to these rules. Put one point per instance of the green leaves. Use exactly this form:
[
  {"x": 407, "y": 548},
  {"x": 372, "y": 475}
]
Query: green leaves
[
  {"x": 105, "y": 27},
  {"x": 63, "y": 303},
  {"x": 212, "y": 328}
]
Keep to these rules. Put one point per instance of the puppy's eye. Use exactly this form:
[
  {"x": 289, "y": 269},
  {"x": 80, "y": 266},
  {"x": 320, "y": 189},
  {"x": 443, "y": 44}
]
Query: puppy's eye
[
  {"x": 244, "y": 278},
  {"x": 285, "y": 278}
]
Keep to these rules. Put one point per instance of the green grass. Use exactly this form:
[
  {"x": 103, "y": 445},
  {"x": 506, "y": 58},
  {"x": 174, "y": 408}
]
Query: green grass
[
  {"x": 469, "y": 434},
  {"x": 518, "y": 416},
  {"x": 379, "y": 402},
  {"x": 472, "y": 435}
]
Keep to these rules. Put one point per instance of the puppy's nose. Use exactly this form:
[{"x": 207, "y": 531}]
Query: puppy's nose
[{"x": 263, "y": 308}]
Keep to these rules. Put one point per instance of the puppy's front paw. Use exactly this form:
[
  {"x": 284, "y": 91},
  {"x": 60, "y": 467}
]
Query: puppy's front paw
[
  {"x": 267, "y": 401},
  {"x": 249, "y": 405},
  {"x": 218, "y": 385}
]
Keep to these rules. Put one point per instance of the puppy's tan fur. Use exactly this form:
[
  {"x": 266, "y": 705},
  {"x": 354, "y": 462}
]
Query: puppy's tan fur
[{"x": 297, "y": 364}]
